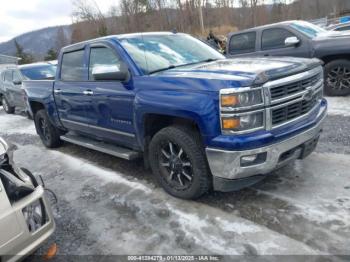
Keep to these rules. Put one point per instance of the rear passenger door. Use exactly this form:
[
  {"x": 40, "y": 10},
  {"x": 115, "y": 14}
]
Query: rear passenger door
[
  {"x": 17, "y": 91},
  {"x": 273, "y": 44},
  {"x": 70, "y": 93},
  {"x": 243, "y": 44},
  {"x": 8, "y": 87}
]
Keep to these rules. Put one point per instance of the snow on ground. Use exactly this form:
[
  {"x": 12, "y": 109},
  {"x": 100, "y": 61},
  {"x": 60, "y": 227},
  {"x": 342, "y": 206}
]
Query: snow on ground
[
  {"x": 339, "y": 105},
  {"x": 111, "y": 206},
  {"x": 10, "y": 123},
  {"x": 207, "y": 229}
]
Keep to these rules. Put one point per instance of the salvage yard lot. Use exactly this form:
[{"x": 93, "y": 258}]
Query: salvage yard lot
[{"x": 112, "y": 206}]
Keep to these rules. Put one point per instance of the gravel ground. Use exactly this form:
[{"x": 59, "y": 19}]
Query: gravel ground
[{"x": 108, "y": 206}]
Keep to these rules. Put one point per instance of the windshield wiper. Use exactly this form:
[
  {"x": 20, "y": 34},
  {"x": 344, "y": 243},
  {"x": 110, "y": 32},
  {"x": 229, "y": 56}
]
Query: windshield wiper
[
  {"x": 175, "y": 66},
  {"x": 163, "y": 69}
]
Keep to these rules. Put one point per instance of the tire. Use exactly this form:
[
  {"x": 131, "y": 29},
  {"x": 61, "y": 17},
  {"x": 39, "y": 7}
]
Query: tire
[
  {"x": 337, "y": 78},
  {"x": 187, "y": 176},
  {"x": 49, "y": 134},
  {"x": 5, "y": 104}
]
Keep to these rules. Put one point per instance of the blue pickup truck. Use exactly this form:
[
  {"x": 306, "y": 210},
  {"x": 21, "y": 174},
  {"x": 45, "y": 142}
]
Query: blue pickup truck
[{"x": 199, "y": 120}]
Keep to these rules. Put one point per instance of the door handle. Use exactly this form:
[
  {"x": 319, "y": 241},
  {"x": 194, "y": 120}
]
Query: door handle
[
  {"x": 57, "y": 91},
  {"x": 88, "y": 92},
  {"x": 266, "y": 55}
]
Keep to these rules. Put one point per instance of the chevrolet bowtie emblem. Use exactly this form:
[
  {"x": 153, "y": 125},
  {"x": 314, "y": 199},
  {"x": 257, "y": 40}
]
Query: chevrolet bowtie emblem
[{"x": 308, "y": 94}]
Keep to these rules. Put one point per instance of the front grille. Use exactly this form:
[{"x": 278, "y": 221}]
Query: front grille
[
  {"x": 292, "y": 111},
  {"x": 293, "y": 88}
]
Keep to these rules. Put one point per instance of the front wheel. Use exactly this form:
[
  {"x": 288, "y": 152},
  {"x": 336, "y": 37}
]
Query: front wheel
[
  {"x": 48, "y": 133},
  {"x": 337, "y": 77},
  {"x": 178, "y": 161},
  {"x": 7, "y": 107}
]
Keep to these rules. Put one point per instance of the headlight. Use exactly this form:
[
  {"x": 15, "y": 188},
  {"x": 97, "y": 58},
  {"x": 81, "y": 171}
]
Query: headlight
[
  {"x": 243, "y": 122},
  {"x": 241, "y": 99}
]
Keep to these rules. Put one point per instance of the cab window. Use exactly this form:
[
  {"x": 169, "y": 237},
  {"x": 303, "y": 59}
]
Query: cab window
[
  {"x": 274, "y": 38},
  {"x": 73, "y": 66},
  {"x": 242, "y": 43}
]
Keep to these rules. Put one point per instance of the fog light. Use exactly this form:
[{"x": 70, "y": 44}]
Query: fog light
[
  {"x": 254, "y": 159},
  {"x": 248, "y": 159}
]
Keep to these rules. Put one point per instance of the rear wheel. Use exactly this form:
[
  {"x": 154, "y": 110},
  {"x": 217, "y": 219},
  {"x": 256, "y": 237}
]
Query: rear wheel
[
  {"x": 337, "y": 77},
  {"x": 178, "y": 161},
  {"x": 7, "y": 107},
  {"x": 48, "y": 133}
]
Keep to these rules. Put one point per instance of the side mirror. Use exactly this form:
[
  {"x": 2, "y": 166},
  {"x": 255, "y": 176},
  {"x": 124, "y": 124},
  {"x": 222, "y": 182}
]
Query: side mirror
[
  {"x": 110, "y": 73},
  {"x": 291, "y": 41},
  {"x": 17, "y": 82}
]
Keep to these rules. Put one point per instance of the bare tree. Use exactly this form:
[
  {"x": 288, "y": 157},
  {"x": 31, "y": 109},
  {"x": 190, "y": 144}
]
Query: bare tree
[{"x": 194, "y": 16}]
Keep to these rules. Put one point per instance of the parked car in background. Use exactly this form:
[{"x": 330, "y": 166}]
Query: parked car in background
[
  {"x": 12, "y": 94},
  {"x": 200, "y": 120},
  {"x": 26, "y": 220},
  {"x": 299, "y": 39},
  {"x": 340, "y": 27}
]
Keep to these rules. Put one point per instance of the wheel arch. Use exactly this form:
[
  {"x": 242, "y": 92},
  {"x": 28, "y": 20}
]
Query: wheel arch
[
  {"x": 36, "y": 106},
  {"x": 330, "y": 58},
  {"x": 154, "y": 122}
]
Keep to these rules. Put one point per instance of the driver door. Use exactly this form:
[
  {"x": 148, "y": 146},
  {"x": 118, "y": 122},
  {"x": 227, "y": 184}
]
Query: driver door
[
  {"x": 273, "y": 43},
  {"x": 111, "y": 111}
]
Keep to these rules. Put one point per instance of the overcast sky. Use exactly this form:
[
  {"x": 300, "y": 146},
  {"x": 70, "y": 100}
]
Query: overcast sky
[{"x": 21, "y": 16}]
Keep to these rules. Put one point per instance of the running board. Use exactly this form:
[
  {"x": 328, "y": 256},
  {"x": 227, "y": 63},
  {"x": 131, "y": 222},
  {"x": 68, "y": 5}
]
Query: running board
[{"x": 109, "y": 149}]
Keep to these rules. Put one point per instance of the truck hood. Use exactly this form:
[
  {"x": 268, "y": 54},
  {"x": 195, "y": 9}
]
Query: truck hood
[
  {"x": 331, "y": 43},
  {"x": 332, "y": 35},
  {"x": 244, "y": 71}
]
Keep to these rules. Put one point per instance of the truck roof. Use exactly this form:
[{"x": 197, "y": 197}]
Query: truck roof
[
  {"x": 38, "y": 64},
  {"x": 264, "y": 26},
  {"x": 121, "y": 36}
]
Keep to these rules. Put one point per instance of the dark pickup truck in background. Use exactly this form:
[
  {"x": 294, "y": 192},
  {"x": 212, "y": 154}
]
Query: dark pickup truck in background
[
  {"x": 299, "y": 39},
  {"x": 200, "y": 121}
]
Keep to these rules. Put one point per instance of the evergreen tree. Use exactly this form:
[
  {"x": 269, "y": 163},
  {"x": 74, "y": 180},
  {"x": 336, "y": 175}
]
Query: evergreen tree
[
  {"x": 51, "y": 55},
  {"x": 25, "y": 57}
]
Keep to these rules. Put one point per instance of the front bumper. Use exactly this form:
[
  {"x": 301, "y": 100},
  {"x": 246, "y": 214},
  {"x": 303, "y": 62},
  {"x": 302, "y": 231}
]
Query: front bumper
[
  {"x": 16, "y": 241},
  {"x": 228, "y": 166}
]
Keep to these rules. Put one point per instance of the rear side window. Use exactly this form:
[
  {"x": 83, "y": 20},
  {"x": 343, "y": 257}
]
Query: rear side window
[
  {"x": 73, "y": 66},
  {"x": 8, "y": 76},
  {"x": 274, "y": 38},
  {"x": 16, "y": 76},
  {"x": 103, "y": 59},
  {"x": 242, "y": 43}
]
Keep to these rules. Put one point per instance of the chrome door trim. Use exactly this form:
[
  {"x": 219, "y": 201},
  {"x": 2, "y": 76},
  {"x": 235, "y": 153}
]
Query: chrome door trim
[{"x": 100, "y": 128}]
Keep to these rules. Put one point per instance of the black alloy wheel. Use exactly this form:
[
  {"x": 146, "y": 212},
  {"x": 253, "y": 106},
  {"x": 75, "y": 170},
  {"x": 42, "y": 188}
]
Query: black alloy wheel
[
  {"x": 337, "y": 77},
  {"x": 49, "y": 134},
  {"x": 175, "y": 166},
  {"x": 178, "y": 161}
]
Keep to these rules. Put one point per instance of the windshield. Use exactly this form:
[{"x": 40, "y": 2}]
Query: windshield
[
  {"x": 308, "y": 29},
  {"x": 154, "y": 53},
  {"x": 39, "y": 72}
]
